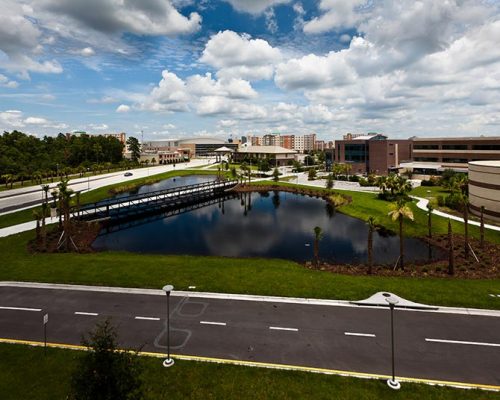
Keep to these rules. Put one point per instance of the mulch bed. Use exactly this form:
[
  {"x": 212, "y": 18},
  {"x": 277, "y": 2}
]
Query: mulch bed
[
  {"x": 487, "y": 268},
  {"x": 82, "y": 233}
]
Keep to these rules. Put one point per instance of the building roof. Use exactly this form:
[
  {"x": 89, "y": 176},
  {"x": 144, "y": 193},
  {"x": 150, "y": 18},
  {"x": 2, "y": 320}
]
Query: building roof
[
  {"x": 266, "y": 150},
  {"x": 202, "y": 141},
  {"x": 430, "y": 139},
  {"x": 224, "y": 149},
  {"x": 486, "y": 163}
]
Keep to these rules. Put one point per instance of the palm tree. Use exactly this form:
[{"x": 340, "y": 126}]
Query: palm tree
[
  {"x": 464, "y": 204},
  {"x": 400, "y": 211},
  {"x": 38, "y": 217},
  {"x": 329, "y": 181},
  {"x": 64, "y": 200},
  {"x": 371, "y": 227},
  {"x": 481, "y": 228},
  {"x": 45, "y": 207},
  {"x": 429, "y": 219},
  {"x": 451, "y": 260},
  {"x": 318, "y": 234},
  {"x": 382, "y": 184}
]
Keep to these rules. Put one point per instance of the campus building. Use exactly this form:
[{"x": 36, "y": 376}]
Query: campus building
[
  {"x": 432, "y": 156},
  {"x": 372, "y": 153},
  {"x": 484, "y": 188},
  {"x": 278, "y": 156},
  {"x": 194, "y": 147}
]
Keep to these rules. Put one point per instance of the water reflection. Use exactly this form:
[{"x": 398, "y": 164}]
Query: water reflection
[{"x": 278, "y": 225}]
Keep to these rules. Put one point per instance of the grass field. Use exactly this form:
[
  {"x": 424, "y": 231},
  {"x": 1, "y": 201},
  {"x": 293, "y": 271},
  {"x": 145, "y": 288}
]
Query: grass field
[
  {"x": 271, "y": 277},
  {"x": 28, "y": 373}
]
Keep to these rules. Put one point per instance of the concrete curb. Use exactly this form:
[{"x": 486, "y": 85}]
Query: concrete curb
[{"x": 244, "y": 297}]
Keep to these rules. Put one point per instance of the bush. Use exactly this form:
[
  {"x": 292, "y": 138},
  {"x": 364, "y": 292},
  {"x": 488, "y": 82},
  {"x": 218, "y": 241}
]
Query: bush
[
  {"x": 429, "y": 182},
  {"x": 453, "y": 201},
  {"x": 440, "y": 201},
  {"x": 353, "y": 178}
]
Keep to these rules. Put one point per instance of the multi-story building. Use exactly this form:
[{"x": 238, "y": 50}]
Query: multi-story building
[
  {"x": 309, "y": 142},
  {"x": 320, "y": 145},
  {"x": 455, "y": 151},
  {"x": 270, "y": 139},
  {"x": 255, "y": 141},
  {"x": 373, "y": 153},
  {"x": 287, "y": 141},
  {"x": 121, "y": 136}
]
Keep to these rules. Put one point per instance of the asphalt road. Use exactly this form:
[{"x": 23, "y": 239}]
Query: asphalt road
[
  {"x": 448, "y": 347},
  {"x": 17, "y": 199}
]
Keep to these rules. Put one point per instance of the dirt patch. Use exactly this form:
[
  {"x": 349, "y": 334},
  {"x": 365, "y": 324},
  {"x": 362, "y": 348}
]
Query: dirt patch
[{"x": 488, "y": 266}]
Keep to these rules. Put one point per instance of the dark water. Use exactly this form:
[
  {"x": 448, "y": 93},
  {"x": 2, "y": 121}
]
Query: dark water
[
  {"x": 274, "y": 225},
  {"x": 170, "y": 183}
]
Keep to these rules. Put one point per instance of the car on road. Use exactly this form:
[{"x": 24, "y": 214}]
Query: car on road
[{"x": 128, "y": 174}]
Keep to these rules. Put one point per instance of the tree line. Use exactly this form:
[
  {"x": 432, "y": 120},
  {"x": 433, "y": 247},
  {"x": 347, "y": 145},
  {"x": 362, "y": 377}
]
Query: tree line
[{"x": 24, "y": 157}]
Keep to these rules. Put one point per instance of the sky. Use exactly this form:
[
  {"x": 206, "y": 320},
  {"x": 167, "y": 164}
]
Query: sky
[{"x": 226, "y": 68}]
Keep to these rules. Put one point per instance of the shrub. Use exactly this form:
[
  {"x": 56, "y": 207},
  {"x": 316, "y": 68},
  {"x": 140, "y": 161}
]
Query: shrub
[
  {"x": 429, "y": 182},
  {"x": 453, "y": 201},
  {"x": 440, "y": 201}
]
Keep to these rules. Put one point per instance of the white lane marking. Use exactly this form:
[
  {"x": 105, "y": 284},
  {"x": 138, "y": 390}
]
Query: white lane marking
[
  {"x": 20, "y": 308},
  {"x": 359, "y": 334},
  {"x": 463, "y": 342},
  {"x": 212, "y": 323},
  {"x": 148, "y": 318},
  {"x": 279, "y": 328},
  {"x": 86, "y": 313}
]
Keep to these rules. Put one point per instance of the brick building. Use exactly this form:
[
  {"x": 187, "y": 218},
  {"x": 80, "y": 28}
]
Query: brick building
[{"x": 373, "y": 153}]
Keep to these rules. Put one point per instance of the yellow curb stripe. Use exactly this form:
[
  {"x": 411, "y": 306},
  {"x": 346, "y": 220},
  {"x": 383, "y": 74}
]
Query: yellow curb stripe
[{"x": 462, "y": 385}]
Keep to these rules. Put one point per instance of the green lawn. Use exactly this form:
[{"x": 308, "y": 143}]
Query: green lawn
[
  {"x": 364, "y": 205},
  {"x": 20, "y": 217},
  {"x": 430, "y": 192},
  {"x": 230, "y": 275},
  {"x": 28, "y": 373}
]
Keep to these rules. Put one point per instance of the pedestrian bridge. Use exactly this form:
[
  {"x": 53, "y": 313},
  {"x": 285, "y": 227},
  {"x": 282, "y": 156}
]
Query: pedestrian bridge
[{"x": 139, "y": 205}]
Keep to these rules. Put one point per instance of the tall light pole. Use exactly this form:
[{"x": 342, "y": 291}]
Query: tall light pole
[
  {"x": 168, "y": 362},
  {"x": 393, "y": 383}
]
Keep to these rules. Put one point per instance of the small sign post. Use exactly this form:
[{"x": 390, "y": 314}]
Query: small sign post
[{"x": 45, "y": 321}]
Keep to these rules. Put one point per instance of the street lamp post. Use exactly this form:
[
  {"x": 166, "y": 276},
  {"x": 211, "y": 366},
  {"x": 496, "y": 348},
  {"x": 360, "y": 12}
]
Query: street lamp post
[
  {"x": 393, "y": 383},
  {"x": 168, "y": 362}
]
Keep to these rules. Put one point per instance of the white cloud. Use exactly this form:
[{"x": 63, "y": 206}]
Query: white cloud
[
  {"x": 12, "y": 119},
  {"x": 98, "y": 127},
  {"x": 87, "y": 52},
  {"x": 255, "y": 6},
  {"x": 147, "y": 17},
  {"x": 19, "y": 42},
  {"x": 337, "y": 14},
  {"x": 203, "y": 93},
  {"x": 36, "y": 121},
  {"x": 7, "y": 83},
  {"x": 240, "y": 56},
  {"x": 123, "y": 108}
]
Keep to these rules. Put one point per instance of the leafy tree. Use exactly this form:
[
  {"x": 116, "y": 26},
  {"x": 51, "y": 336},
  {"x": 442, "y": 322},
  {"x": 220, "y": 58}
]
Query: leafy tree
[
  {"x": 311, "y": 174},
  {"x": 276, "y": 175},
  {"x": 104, "y": 372},
  {"x": 400, "y": 211},
  {"x": 134, "y": 147}
]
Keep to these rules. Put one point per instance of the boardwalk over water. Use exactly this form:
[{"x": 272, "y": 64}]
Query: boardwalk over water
[{"x": 138, "y": 205}]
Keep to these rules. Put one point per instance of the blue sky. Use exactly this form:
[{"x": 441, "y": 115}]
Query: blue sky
[{"x": 232, "y": 67}]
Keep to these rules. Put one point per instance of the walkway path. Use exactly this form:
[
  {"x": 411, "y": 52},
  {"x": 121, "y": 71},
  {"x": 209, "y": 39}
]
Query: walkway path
[{"x": 422, "y": 204}]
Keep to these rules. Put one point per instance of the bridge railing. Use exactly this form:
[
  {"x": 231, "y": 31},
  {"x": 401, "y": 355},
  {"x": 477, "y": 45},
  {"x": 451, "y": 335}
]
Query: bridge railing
[{"x": 105, "y": 206}]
